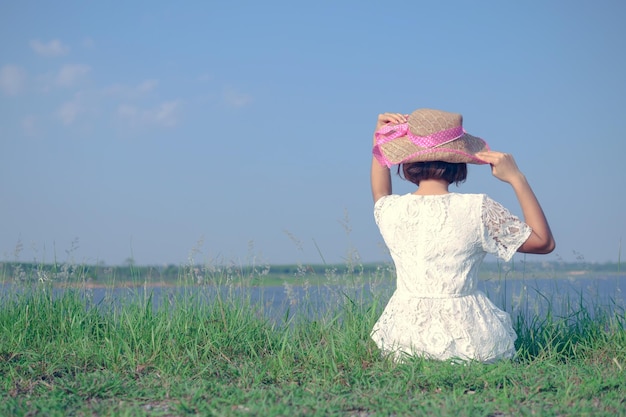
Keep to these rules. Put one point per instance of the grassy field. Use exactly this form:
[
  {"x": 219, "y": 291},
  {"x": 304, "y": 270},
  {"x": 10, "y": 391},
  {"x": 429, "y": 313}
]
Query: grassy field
[{"x": 60, "y": 355}]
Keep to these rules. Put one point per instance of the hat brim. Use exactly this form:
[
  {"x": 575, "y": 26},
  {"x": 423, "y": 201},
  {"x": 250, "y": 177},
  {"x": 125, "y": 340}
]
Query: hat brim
[{"x": 461, "y": 150}]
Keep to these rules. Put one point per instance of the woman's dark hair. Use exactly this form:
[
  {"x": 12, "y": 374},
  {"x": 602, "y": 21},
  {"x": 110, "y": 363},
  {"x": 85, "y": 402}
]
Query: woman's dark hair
[{"x": 418, "y": 171}]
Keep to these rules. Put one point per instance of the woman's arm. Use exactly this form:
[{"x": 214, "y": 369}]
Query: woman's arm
[
  {"x": 503, "y": 167},
  {"x": 380, "y": 175}
]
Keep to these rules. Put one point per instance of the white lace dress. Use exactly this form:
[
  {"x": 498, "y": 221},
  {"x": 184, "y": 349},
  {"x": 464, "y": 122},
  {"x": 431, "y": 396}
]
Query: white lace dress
[{"x": 437, "y": 243}]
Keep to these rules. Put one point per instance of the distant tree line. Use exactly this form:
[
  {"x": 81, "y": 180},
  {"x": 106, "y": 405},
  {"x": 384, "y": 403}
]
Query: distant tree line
[{"x": 33, "y": 272}]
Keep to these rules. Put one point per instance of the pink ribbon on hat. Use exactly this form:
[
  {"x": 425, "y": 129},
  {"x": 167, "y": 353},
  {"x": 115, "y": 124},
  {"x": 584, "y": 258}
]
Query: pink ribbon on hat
[{"x": 388, "y": 133}]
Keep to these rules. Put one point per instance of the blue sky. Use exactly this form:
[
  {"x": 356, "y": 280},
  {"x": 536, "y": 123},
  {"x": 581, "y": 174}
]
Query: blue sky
[{"x": 241, "y": 131}]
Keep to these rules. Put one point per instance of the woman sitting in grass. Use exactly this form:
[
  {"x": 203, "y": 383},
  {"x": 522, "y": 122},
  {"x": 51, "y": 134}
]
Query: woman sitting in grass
[{"x": 438, "y": 239}]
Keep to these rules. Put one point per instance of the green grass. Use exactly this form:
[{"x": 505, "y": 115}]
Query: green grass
[{"x": 60, "y": 355}]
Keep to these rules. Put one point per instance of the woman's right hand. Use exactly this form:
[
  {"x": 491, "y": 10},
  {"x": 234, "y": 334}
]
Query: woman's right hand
[
  {"x": 395, "y": 118},
  {"x": 380, "y": 177},
  {"x": 386, "y": 118}
]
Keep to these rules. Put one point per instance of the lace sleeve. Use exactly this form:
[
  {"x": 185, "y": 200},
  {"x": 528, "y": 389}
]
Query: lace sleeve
[
  {"x": 503, "y": 232},
  {"x": 380, "y": 205}
]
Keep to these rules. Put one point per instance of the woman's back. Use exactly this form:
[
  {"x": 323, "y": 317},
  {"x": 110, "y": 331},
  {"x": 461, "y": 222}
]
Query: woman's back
[
  {"x": 437, "y": 243},
  {"x": 434, "y": 241}
]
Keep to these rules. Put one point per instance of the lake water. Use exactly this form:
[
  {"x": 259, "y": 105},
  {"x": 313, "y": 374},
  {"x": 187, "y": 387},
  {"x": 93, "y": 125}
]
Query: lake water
[{"x": 517, "y": 296}]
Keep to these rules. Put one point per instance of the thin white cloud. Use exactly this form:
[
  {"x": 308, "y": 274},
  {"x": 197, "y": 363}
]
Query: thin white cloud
[
  {"x": 70, "y": 75},
  {"x": 88, "y": 43},
  {"x": 205, "y": 77},
  {"x": 131, "y": 92},
  {"x": 29, "y": 125},
  {"x": 147, "y": 86},
  {"x": 49, "y": 49},
  {"x": 165, "y": 114},
  {"x": 236, "y": 99},
  {"x": 12, "y": 79},
  {"x": 127, "y": 111},
  {"x": 69, "y": 111}
]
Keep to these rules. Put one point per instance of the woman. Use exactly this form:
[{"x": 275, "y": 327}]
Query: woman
[{"x": 438, "y": 239}]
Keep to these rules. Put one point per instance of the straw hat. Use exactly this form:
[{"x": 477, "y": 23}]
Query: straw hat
[{"x": 428, "y": 135}]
